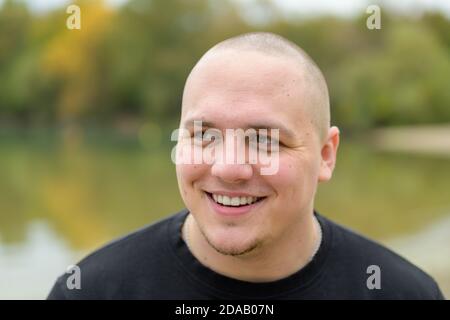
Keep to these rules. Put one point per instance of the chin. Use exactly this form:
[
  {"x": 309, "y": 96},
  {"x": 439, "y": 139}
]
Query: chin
[{"x": 232, "y": 244}]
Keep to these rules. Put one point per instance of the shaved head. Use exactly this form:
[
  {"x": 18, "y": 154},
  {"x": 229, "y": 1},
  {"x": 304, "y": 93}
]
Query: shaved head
[
  {"x": 263, "y": 82},
  {"x": 313, "y": 84}
]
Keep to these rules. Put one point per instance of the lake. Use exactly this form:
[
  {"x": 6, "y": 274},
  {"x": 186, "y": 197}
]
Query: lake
[{"x": 64, "y": 194}]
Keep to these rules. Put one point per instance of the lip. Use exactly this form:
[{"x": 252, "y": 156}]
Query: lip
[
  {"x": 232, "y": 194},
  {"x": 229, "y": 210}
]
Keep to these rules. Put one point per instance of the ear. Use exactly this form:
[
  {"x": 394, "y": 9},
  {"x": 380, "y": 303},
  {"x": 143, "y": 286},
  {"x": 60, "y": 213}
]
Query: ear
[{"x": 328, "y": 154}]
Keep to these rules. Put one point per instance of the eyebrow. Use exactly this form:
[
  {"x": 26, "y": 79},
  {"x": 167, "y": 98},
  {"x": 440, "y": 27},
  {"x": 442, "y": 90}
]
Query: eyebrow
[{"x": 284, "y": 131}]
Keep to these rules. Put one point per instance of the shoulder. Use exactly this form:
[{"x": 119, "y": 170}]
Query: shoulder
[
  {"x": 400, "y": 279},
  {"x": 121, "y": 264}
]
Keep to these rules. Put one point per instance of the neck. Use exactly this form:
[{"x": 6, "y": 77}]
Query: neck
[{"x": 273, "y": 261}]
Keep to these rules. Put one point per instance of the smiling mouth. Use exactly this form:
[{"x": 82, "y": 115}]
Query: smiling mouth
[{"x": 227, "y": 201}]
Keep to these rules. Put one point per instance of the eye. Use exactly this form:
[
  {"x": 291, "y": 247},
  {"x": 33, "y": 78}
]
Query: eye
[
  {"x": 206, "y": 137},
  {"x": 263, "y": 139},
  {"x": 197, "y": 137},
  {"x": 267, "y": 143},
  {"x": 267, "y": 140}
]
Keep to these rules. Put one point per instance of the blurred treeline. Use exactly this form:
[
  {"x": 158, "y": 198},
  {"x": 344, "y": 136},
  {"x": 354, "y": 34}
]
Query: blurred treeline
[{"x": 130, "y": 63}]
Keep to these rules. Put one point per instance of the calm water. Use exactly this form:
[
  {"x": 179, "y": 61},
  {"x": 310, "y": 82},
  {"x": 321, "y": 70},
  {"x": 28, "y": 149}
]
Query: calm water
[{"x": 61, "y": 195}]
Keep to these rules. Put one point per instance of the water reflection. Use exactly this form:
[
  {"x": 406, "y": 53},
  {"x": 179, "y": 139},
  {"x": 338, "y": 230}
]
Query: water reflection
[
  {"x": 61, "y": 196},
  {"x": 28, "y": 269},
  {"x": 428, "y": 249}
]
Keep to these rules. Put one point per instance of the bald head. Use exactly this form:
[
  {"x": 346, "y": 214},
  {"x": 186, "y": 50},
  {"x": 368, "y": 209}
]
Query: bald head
[{"x": 313, "y": 84}]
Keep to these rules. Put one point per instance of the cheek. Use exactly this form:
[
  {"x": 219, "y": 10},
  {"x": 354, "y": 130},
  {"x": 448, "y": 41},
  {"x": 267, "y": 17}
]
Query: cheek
[
  {"x": 286, "y": 178},
  {"x": 295, "y": 178},
  {"x": 188, "y": 174}
]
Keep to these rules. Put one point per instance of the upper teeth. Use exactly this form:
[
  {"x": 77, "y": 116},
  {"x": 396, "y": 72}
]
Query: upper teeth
[{"x": 233, "y": 201}]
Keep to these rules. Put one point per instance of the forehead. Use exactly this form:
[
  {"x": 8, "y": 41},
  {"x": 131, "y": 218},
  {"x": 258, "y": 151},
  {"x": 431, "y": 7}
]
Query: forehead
[{"x": 234, "y": 89}]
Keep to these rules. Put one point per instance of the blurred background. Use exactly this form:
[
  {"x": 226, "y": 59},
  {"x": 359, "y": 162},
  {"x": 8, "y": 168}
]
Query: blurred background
[{"x": 86, "y": 117}]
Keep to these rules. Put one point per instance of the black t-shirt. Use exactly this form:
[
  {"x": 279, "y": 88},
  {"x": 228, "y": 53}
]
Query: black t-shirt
[{"x": 155, "y": 263}]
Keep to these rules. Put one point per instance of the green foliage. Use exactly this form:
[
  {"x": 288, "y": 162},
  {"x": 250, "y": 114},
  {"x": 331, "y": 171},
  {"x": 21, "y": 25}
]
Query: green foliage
[
  {"x": 403, "y": 81},
  {"x": 133, "y": 61}
]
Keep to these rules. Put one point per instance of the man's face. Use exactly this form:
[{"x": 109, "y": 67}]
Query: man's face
[{"x": 244, "y": 90}]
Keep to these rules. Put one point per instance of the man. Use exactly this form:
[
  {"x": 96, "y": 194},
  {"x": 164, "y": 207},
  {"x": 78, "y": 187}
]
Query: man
[{"x": 246, "y": 234}]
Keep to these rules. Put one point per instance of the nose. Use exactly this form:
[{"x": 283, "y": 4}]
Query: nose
[{"x": 232, "y": 173}]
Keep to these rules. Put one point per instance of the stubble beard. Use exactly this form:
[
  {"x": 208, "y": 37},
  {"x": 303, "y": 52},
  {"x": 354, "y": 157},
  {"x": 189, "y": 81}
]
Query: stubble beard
[{"x": 234, "y": 252}]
